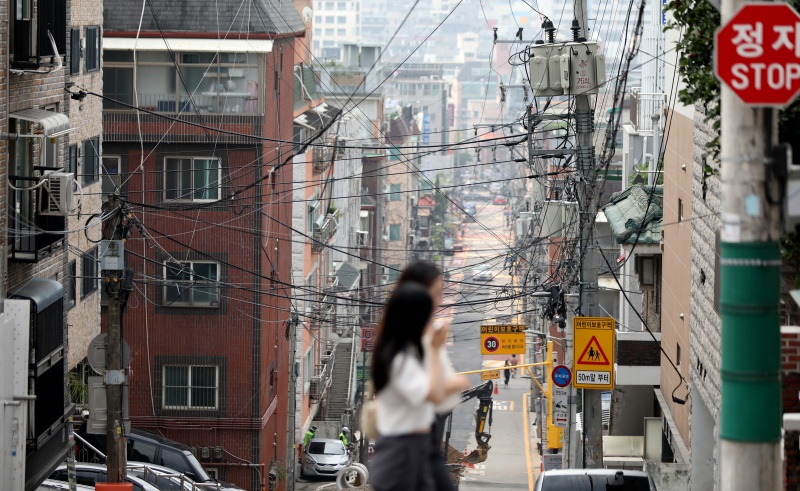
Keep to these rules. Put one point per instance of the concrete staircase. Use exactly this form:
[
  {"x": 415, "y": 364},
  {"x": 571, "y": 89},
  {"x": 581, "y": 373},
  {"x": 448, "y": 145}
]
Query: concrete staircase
[{"x": 340, "y": 379}]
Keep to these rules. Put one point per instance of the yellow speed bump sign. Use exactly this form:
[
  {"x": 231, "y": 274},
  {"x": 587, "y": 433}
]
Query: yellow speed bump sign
[
  {"x": 503, "y": 339},
  {"x": 494, "y": 374},
  {"x": 593, "y": 365}
]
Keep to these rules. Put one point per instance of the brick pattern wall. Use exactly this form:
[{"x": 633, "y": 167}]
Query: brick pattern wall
[
  {"x": 86, "y": 117},
  {"x": 705, "y": 339},
  {"x": 790, "y": 361}
]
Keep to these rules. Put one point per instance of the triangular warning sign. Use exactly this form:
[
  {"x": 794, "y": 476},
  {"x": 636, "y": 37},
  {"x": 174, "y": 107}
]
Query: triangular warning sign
[{"x": 593, "y": 354}]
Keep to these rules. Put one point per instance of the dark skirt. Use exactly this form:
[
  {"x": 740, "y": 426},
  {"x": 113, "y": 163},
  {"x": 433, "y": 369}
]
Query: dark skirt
[{"x": 402, "y": 463}]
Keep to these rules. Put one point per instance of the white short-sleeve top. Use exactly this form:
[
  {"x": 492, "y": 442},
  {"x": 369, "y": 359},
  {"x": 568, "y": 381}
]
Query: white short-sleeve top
[{"x": 403, "y": 405}]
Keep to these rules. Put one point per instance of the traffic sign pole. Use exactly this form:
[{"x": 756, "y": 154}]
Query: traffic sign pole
[{"x": 750, "y": 428}]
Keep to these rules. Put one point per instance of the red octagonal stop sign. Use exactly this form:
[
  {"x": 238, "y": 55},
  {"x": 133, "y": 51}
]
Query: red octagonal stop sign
[{"x": 757, "y": 54}]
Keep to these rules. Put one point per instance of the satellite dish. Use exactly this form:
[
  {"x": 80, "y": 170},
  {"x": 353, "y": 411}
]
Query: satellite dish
[{"x": 308, "y": 14}]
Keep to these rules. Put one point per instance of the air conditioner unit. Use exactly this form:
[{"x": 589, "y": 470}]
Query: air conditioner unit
[
  {"x": 55, "y": 198},
  {"x": 412, "y": 239}
]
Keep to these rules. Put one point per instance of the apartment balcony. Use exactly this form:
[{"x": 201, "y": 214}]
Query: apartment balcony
[
  {"x": 320, "y": 159},
  {"x": 236, "y": 113},
  {"x": 638, "y": 358},
  {"x": 323, "y": 231}
]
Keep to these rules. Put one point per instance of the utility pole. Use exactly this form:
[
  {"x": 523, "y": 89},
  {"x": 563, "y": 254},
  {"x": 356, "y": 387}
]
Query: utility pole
[
  {"x": 291, "y": 451},
  {"x": 750, "y": 265},
  {"x": 584, "y": 127},
  {"x": 115, "y": 376}
]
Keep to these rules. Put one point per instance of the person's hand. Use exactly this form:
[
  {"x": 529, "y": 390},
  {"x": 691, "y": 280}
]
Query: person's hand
[{"x": 439, "y": 336}]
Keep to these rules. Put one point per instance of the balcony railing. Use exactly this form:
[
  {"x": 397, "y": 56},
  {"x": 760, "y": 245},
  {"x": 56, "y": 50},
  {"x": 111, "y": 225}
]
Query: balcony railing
[
  {"x": 323, "y": 232},
  {"x": 320, "y": 159},
  {"x": 30, "y": 236},
  {"x": 124, "y": 126}
]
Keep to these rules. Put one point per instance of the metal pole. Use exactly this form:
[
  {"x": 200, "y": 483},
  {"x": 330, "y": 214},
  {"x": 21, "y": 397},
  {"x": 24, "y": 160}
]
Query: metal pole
[
  {"x": 115, "y": 431},
  {"x": 750, "y": 264},
  {"x": 584, "y": 125}
]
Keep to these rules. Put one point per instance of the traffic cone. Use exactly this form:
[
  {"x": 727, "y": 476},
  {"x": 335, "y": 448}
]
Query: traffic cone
[{"x": 496, "y": 390}]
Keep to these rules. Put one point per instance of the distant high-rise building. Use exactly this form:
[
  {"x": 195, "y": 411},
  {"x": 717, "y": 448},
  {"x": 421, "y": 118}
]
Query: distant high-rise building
[{"x": 334, "y": 23}]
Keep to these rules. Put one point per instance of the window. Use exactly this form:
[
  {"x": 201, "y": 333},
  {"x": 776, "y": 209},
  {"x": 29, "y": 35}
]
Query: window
[
  {"x": 678, "y": 354},
  {"x": 201, "y": 82},
  {"x": 117, "y": 85},
  {"x": 72, "y": 165},
  {"x": 393, "y": 271},
  {"x": 680, "y": 210},
  {"x": 341, "y": 5},
  {"x": 91, "y": 156},
  {"x": 311, "y": 216},
  {"x": 394, "y": 192},
  {"x": 191, "y": 284},
  {"x": 190, "y": 387},
  {"x": 329, "y": 19},
  {"x": 69, "y": 285},
  {"x": 139, "y": 451},
  {"x": 75, "y": 52},
  {"x": 341, "y": 32},
  {"x": 192, "y": 179},
  {"x": 89, "y": 272},
  {"x": 30, "y": 44},
  {"x": 342, "y": 19},
  {"x": 394, "y": 232},
  {"x": 111, "y": 176},
  {"x": 92, "y": 52},
  {"x": 329, "y": 32}
]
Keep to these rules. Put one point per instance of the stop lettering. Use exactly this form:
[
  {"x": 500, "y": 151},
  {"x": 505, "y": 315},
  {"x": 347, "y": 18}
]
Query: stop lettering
[{"x": 757, "y": 54}]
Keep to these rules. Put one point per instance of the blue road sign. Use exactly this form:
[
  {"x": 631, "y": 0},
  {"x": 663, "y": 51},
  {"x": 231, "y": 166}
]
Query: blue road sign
[{"x": 561, "y": 376}]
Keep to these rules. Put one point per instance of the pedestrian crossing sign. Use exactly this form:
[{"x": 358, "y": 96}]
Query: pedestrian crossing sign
[{"x": 594, "y": 346}]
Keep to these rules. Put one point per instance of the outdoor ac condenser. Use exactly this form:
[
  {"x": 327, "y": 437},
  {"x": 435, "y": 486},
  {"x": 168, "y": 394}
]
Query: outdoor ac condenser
[{"x": 55, "y": 198}]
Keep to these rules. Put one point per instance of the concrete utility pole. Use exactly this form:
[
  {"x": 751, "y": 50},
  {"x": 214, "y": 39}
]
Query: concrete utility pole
[
  {"x": 584, "y": 127},
  {"x": 750, "y": 266},
  {"x": 114, "y": 377}
]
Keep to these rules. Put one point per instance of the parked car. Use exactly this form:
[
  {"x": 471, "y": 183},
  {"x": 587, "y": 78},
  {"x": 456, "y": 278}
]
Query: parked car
[
  {"x": 482, "y": 273},
  {"x": 89, "y": 474},
  {"x": 458, "y": 247},
  {"x": 151, "y": 448},
  {"x": 53, "y": 485},
  {"x": 324, "y": 457},
  {"x": 166, "y": 479},
  {"x": 499, "y": 200},
  {"x": 583, "y": 479}
]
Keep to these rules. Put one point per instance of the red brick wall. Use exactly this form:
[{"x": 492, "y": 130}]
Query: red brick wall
[{"x": 790, "y": 359}]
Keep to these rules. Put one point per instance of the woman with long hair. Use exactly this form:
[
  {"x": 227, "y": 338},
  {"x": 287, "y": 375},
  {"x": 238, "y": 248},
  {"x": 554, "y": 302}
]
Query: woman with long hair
[
  {"x": 429, "y": 276},
  {"x": 407, "y": 386}
]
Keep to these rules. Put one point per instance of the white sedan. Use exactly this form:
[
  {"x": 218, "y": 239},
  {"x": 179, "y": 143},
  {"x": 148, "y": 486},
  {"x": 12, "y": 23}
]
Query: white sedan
[{"x": 483, "y": 273}]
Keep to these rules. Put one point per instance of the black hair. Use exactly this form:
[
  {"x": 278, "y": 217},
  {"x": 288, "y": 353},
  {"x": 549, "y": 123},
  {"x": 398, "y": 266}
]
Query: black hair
[
  {"x": 421, "y": 272},
  {"x": 407, "y": 312}
]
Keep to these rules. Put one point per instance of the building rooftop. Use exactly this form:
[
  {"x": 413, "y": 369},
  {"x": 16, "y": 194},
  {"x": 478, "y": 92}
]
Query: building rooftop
[
  {"x": 635, "y": 214},
  {"x": 230, "y": 18}
]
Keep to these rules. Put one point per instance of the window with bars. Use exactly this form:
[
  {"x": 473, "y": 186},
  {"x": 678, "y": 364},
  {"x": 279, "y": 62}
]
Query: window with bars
[
  {"x": 75, "y": 51},
  {"x": 192, "y": 179},
  {"x": 191, "y": 284},
  {"x": 190, "y": 387}
]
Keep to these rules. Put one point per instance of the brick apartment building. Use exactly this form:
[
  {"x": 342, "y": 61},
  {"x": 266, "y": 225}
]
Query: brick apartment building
[{"x": 207, "y": 321}]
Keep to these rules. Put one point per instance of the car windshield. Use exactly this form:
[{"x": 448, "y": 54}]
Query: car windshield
[
  {"x": 595, "y": 482},
  {"x": 326, "y": 448}
]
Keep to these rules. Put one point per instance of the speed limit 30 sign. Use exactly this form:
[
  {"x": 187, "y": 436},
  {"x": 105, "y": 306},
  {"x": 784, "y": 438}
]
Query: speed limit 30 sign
[{"x": 505, "y": 339}]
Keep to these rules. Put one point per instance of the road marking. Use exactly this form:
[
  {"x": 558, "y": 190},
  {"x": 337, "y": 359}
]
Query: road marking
[{"x": 527, "y": 441}]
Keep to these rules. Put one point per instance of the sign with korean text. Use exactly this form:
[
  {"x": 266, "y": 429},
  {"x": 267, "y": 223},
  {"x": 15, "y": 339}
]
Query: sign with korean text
[
  {"x": 560, "y": 408},
  {"x": 561, "y": 376},
  {"x": 593, "y": 365},
  {"x": 367, "y": 338},
  {"x": 757, "y": 54},
  {"x": 503, "y": 339},
  {"x": 490, "y": 375}
]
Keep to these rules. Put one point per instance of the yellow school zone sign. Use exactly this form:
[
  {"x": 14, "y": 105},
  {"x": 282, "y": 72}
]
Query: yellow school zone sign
[{"x": 593, "y": 359}]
